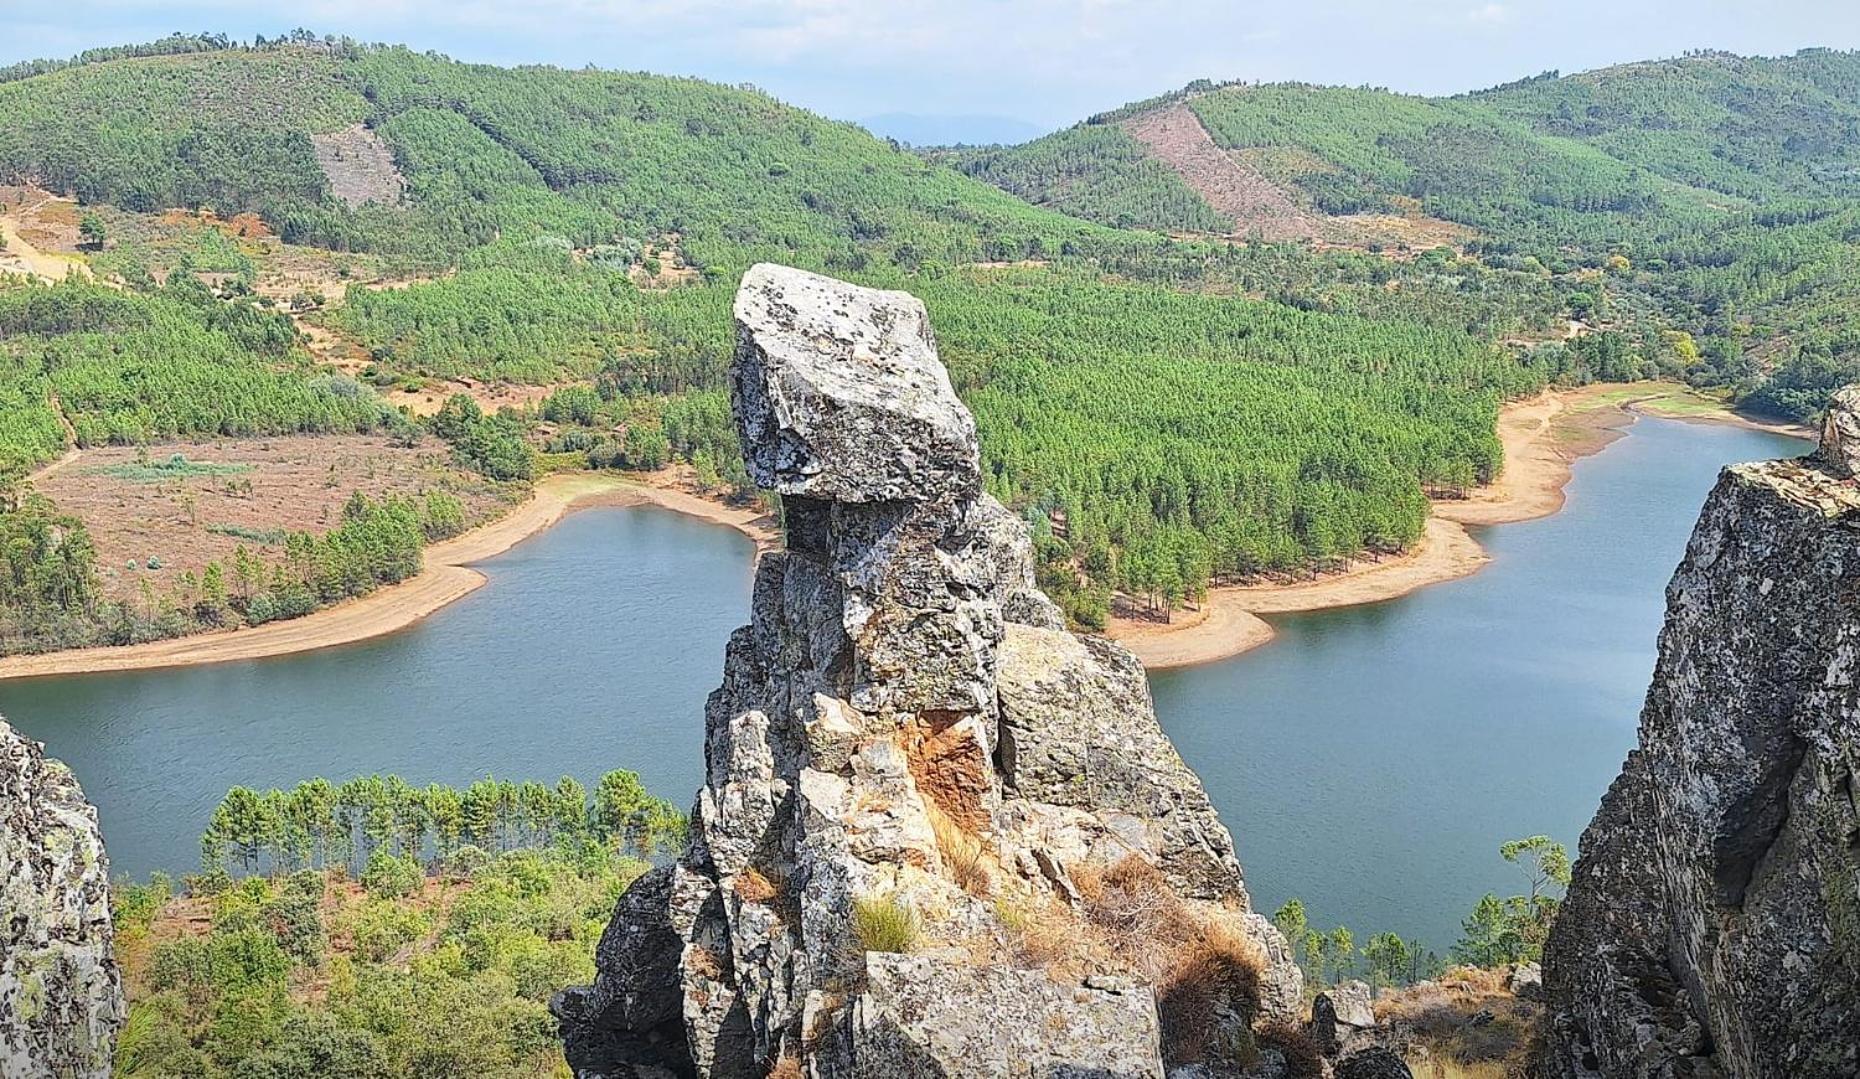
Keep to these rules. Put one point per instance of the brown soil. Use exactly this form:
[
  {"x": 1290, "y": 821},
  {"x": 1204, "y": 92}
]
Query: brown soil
[
  {"x": 39, "y": 234},
  {"x": 360, "y": 167},
  {"x": 1232, "y": 187},
  {"x": 447, "y": 578},
  {"x": 433, "y": 394},
  {"x": 287, "y": 484},
  {"x": 673, "y": 269}
]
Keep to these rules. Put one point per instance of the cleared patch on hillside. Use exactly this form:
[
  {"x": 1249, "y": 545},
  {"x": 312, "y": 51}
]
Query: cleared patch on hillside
[
  {"x": 155, "y": 514},
  {"x": 360, "y": 167},
  {"x": 39, "y": 234},
  {"x": 1232, "y": 187}
]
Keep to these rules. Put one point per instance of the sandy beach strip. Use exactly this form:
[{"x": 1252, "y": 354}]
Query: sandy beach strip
[
  {"x": 448, "y": 576},
  {"x": 1542, "y": 438}
]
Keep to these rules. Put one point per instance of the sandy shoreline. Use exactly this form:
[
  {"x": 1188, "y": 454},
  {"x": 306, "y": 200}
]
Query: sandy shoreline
[
  {"x": 448, "y": 576},
  {"x": 1542, "y": 438}
]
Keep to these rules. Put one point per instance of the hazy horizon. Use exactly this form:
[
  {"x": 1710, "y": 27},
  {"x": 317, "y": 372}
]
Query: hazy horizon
[{"x": 986, "y": 66}]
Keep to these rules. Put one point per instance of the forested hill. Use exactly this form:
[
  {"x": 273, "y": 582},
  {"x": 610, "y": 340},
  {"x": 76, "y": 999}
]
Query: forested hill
[
  {"x": 514, "y": 270},
  {"x": 1601, "y": 157},
  {"x": 1719, "y": 194},
  {"x": 596, "y": 157}
]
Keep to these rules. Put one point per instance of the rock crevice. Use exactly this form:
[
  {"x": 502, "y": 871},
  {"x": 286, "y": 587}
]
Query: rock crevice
[{"x": 917, "y": 782}]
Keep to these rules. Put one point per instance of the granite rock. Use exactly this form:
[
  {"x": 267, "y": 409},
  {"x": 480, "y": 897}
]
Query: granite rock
[
  {"x": 1713, "y": 923},
  {"x": 61, "y": 998},
  {"x": 904, "y": 729}
]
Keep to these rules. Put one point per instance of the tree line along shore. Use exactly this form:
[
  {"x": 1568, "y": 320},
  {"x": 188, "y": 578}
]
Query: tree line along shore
[{"x": 405, "y": 250}]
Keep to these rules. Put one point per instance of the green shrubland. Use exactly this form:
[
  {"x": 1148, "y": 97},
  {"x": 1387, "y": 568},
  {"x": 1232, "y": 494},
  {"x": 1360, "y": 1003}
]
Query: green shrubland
[{"x": 372, "y": 928}]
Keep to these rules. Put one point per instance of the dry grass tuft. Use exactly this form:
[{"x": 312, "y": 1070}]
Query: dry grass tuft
[
  {"x": 1132, "y": 902},
  {"x": 965, "y": 856},
  {"x": 1428, "y": 1066},
  {"x": 1303, "y": 1059},
  {"x": 786, "y": 1067},
  {"x": 1216, "y": 969},
  {"x": 1467, "y": 1024},
  {"x": 884, "y": 924},
  {"x": 1041, "y": 934},
  {"x": 753, "y": 887}
]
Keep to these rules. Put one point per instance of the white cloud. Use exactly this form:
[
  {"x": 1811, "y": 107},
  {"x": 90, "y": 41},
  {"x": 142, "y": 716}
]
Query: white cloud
[{"x": 1489, "y": 14}]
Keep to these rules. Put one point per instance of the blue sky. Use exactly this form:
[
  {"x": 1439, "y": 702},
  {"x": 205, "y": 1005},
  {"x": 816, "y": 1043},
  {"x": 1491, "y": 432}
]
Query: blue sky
[{"x": 1049, "y": 62}]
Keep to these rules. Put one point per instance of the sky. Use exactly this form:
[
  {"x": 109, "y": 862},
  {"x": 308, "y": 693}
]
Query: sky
[{"x": 1044, "y": 62}]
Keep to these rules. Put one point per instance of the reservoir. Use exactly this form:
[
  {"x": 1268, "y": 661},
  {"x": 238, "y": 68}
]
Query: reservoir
[{"x": 1369, "y": 760}]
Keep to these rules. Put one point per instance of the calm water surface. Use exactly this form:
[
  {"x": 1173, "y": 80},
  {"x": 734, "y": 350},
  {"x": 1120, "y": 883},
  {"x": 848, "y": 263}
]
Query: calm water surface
[
  {"x": 592, "y": 647},
  {"x": 1368, "y": 760}
]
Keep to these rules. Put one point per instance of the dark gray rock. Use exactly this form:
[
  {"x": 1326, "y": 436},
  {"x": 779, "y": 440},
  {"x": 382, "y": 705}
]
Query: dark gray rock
[
  {"x": 61, "y": 999},
  {"x": 1713, "y": 923},
  {"x": 1376, "y": 1062},
  {"x": 901, "y": 680},
  {"x": 1340, "y": 1015}
]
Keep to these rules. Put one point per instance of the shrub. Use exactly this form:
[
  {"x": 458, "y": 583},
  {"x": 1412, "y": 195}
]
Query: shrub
[
  {"x": 293, "y": 917},
  {"x": 1131, "y": 901},
  {"x": 135, "y": 905},
  {"x": 387, "y": 875},
  {"x": 884, "y": 924},
  {"x": 1213, "y": 971},
  {"x": 380, "y": 928},
  {"x": 1303, "y": 1059}
]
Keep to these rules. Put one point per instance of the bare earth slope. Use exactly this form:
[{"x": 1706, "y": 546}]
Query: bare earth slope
[{"x": 1233, "y": 188}]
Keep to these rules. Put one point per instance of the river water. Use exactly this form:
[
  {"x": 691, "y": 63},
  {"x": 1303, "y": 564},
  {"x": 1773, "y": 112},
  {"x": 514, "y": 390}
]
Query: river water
[{"x": 1369, "y": 760}]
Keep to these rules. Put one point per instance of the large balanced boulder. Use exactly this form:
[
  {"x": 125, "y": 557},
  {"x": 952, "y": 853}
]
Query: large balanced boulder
[
  {"x": 839, "y": 394},
  {"x": 61, "y": 1000},
  {"x": 938, "y": 835},
  {"x": 1712, "y": 927}
]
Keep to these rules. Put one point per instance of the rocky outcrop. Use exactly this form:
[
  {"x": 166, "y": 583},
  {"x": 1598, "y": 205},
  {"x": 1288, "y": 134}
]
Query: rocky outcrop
[
  {"x": 61, "y": 1000},
  {"x": 938, "y": 834},
  {"x": 1713, "y": 924},
  {"x": 1341, "y": 1016}
]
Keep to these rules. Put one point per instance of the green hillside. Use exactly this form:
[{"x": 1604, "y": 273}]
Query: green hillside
[
  {"x": 596, "y": 157},
  {"x": 1193, "y": 409},
  {"x": 1608, "y": 156},
  {"x": 1715, "y": 195}
]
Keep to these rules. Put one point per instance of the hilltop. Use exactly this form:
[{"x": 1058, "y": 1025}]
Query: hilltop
[
  {"x": 1597, "y": 158},
  {"x": 1709, "y": 194},
  {"x": 317, "y": 136}
]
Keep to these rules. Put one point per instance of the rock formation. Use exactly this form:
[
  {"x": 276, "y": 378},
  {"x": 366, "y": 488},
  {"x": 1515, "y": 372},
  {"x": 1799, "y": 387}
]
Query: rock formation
[
  {"x": 61, "y": 1000},
  {"x": 938, "y": 834},
  {"x": 1713, "y": 924}
]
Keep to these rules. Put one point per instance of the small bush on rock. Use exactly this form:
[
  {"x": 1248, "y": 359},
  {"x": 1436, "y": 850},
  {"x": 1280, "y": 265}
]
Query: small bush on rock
[{"x": 883, "y": 924}]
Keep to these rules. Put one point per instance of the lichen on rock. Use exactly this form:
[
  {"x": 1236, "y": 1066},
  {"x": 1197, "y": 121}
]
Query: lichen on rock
[
  {"x": 906, "y": 730},
  {"x": 61, "y": 1001},
  {"x": 1711, "y": 927}
]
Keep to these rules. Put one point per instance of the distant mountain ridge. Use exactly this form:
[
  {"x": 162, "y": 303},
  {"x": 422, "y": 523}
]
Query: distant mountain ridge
[
  {"x": 971, "y": 129},
  {"x": 1711, "y": 194},
  {"x": 1617, "y": 149},
  {"x": 592, "y": 156}
]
